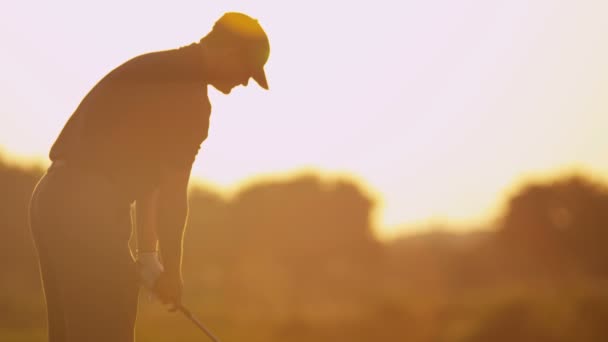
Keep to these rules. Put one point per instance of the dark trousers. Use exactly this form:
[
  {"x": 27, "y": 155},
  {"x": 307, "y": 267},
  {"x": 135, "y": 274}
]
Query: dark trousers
[{"x": 81, "y": 229}]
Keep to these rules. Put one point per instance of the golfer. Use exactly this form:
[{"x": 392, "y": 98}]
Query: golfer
[{"x": 132, "y": 139}]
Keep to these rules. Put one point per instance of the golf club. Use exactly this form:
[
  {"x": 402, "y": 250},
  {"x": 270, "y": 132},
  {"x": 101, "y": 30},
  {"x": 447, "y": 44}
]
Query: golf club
[{"x": 194, "y": 320}]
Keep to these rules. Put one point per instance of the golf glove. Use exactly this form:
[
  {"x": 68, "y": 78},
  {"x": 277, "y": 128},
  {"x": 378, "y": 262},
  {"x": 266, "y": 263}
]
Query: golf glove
[{"x": 149, "y": 269}]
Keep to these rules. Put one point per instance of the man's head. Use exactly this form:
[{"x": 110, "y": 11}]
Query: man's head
[{"x": 235, "y": 50}]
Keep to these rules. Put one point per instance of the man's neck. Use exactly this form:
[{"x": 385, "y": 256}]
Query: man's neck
[{"x": 194, "y": 55}]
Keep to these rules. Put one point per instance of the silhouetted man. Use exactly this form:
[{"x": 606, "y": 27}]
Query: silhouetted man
[{"x": 133, "y": 139}]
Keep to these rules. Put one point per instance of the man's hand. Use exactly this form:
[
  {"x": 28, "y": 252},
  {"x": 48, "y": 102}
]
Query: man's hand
[
  {"x": 168, "y": 288},
  {"x": 149, "y": 269},
  {"x": 164, "y": 285}
]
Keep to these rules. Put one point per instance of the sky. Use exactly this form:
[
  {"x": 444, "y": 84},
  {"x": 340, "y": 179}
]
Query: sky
[{"x": 440, "y": 108}]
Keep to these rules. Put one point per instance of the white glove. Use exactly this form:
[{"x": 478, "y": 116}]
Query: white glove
[{"x": 149, "y": 269}]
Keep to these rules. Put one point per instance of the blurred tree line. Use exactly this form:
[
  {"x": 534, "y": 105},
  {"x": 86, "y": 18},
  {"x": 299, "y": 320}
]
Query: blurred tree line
[{"x": 296, "y": 260}]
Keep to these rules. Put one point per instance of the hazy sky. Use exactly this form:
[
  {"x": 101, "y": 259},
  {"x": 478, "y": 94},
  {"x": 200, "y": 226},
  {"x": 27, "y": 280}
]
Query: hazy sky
[{"x": 440, "y": 107}]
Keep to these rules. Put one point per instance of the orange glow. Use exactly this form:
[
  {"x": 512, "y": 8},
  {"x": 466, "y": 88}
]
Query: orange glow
[{"x": 440, "y": 112}]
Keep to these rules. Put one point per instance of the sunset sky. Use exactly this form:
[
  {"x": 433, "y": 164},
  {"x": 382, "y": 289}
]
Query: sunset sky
[{"x": 440, "y": 108}]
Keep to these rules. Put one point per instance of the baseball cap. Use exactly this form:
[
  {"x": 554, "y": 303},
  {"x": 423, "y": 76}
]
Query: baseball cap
[{"x": 250, "y": 36}]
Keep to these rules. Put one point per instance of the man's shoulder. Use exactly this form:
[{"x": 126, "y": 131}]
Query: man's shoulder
[
  {"x": 175, "y": 65},
  {"x": 143, "y": 67},
  {"x": 151, "y": 83}
]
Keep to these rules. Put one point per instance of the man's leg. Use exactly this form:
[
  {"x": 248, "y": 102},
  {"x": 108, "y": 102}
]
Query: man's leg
[
  {"x": 53, "y": 298},
  {"x": 89, "y": 275},
  {"x": 100, "y": 299},
  {"x": 50, "y": 284}
]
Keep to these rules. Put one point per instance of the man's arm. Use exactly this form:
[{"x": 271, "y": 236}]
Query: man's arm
[
  {"x": 146, "y": 210},
  {"x": 172, "y": 212}
]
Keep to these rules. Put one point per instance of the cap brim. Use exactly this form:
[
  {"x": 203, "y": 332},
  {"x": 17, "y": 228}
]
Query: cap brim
[{"x": 260, "y": 78}]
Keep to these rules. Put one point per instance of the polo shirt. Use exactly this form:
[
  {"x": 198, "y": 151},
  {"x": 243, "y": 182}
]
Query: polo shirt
[{"x": 146, "y": 118}]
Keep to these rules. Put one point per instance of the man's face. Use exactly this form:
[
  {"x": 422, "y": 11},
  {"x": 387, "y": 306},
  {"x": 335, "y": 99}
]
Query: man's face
[
  {"x": 225, "y": 85},
  {"x": 231, "y": 71}
]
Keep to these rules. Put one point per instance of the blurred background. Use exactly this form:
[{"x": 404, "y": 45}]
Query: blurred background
[{"x": 418, "y": 171}]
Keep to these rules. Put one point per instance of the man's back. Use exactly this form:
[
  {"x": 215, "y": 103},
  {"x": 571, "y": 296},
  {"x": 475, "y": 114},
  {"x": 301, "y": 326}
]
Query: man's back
[{"x": 148, "y": 114}]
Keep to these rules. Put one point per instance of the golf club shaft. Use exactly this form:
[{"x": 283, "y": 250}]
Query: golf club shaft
[{"x": 194, "y": 320}]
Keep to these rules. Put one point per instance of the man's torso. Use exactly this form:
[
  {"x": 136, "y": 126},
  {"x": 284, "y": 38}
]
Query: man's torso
[{"x": 147, "y": 115}]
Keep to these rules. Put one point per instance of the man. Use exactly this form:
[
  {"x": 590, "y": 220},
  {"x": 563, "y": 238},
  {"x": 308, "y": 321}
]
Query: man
[{"x": 132, "y": 139}]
